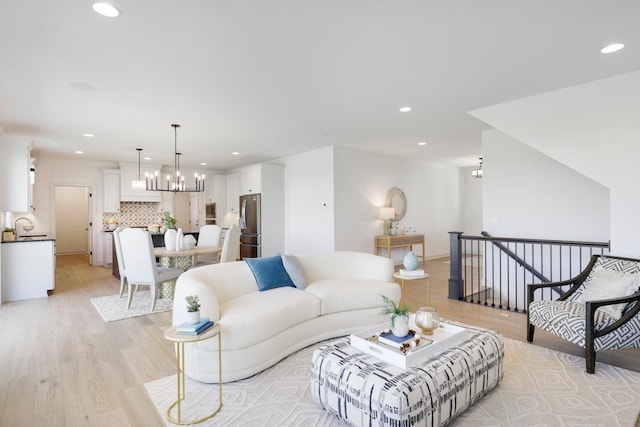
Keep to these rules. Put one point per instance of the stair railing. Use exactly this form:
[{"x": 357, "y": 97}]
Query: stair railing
[{"x": 495, "y": 271}]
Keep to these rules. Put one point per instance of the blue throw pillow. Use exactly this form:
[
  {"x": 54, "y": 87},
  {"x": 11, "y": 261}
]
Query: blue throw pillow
[{"x": 269, "y": 272}]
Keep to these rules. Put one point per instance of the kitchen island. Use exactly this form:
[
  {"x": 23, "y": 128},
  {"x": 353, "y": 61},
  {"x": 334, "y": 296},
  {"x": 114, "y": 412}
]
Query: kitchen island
[{"x": 28, "y": 268}]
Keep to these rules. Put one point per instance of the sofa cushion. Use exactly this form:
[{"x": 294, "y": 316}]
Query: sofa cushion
[
  {"x": 257, "y": 316},
  {"x": 566, "y": 319},
  {"x": 269, "y": 272},
  {"x": 295, "y": 271},
  {"x": 352, "y": 294}
]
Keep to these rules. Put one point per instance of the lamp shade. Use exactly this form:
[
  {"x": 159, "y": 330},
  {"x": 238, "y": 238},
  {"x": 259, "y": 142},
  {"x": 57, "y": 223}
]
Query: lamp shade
[{"x": 387, "y": 213}]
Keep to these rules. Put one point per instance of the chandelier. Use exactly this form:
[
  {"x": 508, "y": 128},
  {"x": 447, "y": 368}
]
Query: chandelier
[
  {"x": 175, "y": 182},
  {"x": 477, "y": 173}
]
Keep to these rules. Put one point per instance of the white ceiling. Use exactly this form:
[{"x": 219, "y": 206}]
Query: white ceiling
[{"x": 273, "y": 78}]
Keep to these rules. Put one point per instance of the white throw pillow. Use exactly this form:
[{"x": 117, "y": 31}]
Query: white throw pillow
[
  {"x": 295, "y": 271},
  {"x": 606, "y": 284}
]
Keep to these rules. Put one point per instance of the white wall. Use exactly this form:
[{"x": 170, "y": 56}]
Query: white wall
[
  {"x": 68, "y": 172},
  {"x": 527, "y": 194},
  {"x": 592, "y": 128},
  {"x": 309, "y": 202},
  {"x": 353, "y": 184},
  {"x": 471, "y": 202}
]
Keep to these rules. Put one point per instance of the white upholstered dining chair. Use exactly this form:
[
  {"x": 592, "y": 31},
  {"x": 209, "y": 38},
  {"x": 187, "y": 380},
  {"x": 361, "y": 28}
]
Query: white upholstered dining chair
[
  {"x": 231, "y": 245},
  {"x": 121, "y": 270},
  {"x": 209, "y": 235},
  {"x": 140, "y": 263}
]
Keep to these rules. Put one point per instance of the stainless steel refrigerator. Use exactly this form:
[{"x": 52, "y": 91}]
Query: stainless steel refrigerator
[{"x": 250, "y": 228}]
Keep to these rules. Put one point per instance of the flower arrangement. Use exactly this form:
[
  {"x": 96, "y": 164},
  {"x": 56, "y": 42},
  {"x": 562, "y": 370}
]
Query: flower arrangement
[
  {"x": 169, "y": 221},
  {"x": 394, "y": 310},
  {"x": 193, "y": 303}
]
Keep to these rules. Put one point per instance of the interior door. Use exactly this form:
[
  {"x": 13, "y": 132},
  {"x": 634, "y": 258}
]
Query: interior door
[{"x": 194, "y": 208}]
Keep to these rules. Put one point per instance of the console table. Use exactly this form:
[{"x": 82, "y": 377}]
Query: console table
[{"x": 399, "y": 241}]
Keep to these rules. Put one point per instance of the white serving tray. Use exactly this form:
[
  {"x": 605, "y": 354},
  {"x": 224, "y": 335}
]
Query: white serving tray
[{"x": 443, "y": 338}]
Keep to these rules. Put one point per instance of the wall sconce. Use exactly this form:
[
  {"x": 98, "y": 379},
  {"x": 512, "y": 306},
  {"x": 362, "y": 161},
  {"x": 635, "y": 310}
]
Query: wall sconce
[{"x": 387, "y": 214}]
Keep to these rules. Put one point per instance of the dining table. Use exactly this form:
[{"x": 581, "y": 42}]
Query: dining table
[{"x": 184, "y": 259}]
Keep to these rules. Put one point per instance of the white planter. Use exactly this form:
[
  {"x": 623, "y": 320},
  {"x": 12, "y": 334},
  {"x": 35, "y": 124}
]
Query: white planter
[
  {"x": 400, "y": 326},
  {"x": 193, "y": 317}
]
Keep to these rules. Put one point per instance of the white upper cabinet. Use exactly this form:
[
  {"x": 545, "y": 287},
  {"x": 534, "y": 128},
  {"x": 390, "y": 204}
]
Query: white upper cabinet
[
  {"x": 233, "y": 192},
  {"x": 128, "y": 173},
  {"x": 250, "y": 180},
  {"x": 14, "y": 175},
  {"x": 111, "y": 190}
]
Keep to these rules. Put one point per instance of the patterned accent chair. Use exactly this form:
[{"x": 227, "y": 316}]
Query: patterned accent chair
[{"x": 600, "y": 310}]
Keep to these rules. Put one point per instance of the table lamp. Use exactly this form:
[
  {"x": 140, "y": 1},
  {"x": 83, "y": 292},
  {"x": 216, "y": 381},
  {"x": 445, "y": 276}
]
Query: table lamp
[{"x": 387, "y": 214}]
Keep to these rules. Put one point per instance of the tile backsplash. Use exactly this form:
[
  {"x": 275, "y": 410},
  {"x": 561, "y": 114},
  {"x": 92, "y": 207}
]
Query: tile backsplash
[{"x": 134, "y": 214}]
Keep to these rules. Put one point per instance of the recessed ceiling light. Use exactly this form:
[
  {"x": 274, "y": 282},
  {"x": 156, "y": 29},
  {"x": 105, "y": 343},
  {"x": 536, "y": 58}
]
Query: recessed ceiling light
[
  {"x": 203, "y": 164},
  {"x": 235, "y": 153},
  {"x": 147, "y": 158},
  {"x": 421, "y": 143},
  {"x": 614, "y": 47},
  {"x": 106, "y": 9},
  {"x": 88, "y": 135},
  {"x": 405, "y": 109},
  {"x": 79, "y": 152}
]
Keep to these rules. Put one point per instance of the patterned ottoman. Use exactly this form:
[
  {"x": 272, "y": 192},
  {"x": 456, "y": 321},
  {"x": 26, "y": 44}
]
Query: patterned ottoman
[{"x": 365, "y": 391}]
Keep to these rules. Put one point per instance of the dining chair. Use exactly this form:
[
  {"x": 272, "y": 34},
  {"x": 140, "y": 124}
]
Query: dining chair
[
  {"x": 121, "y": 270},
  {"x": 209, "y": 235},
  {"x": 140, "y": 263},
  {"x": 231, "y": 245}
]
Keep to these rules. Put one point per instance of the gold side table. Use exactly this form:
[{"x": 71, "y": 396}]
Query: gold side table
[
  {"x": 402, "y": 278},
  {"x": 179, "y": 341}
]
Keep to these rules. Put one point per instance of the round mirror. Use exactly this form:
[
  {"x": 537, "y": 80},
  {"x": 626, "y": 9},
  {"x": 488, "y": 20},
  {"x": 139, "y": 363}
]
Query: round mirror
[{"x": 397, "y": 200}]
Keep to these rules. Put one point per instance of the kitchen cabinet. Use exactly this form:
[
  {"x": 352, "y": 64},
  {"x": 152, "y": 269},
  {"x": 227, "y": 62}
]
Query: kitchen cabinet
[
  {"x": 272, "y": 190},
  {"x": 15, "y": 183},
  {"x": 233, "y": 192},
  {"x": 250, "y": 180},
  {"x": 128, "y": 173},
  {"x": 110, "y": 190},
  {"x": 166, "y": 202},
  {"x": 28, "y": 269},
  {"x": 107, "y": 248}
]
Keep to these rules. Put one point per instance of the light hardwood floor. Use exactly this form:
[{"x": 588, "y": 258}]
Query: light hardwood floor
[{"x": 62, "y": 365}]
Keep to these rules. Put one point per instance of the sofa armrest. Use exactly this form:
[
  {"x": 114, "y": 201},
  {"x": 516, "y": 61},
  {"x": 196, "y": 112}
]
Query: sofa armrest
[{"x": 192, "y": 285}]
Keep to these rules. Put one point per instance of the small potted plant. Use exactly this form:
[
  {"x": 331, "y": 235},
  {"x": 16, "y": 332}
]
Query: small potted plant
[
  {"x": 8, "y": 234},
  {"x": 169, "y": 221},
  {"x": 399, "y": 317},
  {"x": 193, "y": 308}
]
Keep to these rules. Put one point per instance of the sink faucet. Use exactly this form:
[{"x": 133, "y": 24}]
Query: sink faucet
[{"x": 15, "y": 224}]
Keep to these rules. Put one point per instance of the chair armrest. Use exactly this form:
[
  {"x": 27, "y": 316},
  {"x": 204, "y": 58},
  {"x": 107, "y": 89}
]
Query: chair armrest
[
  {"x": 532, "y": 287},
  {"x": 592, "y": 306},
  {"x": 576, "y": 282}
]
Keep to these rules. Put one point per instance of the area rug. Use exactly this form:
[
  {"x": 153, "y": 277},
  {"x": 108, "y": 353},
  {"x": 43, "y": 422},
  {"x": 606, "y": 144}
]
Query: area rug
[
  {"x": 540, "y": 387},
  {"x": 114, "y": 308}
]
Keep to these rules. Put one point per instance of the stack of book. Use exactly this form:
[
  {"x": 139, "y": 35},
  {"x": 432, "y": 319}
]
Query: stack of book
[
  {"x": 411, "y": 273},
  {"x": 194, "y": 328}
]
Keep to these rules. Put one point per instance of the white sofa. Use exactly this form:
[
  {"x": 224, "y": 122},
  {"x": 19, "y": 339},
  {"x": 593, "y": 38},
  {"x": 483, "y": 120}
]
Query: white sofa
[{"x": 343, "y": 295}]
